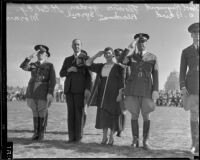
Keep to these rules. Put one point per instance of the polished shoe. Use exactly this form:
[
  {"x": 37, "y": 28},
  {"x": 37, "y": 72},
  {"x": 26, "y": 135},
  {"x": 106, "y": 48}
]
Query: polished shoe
[
  {"x": 104, "y": 141},
  {"x": 194, "y": 150}
]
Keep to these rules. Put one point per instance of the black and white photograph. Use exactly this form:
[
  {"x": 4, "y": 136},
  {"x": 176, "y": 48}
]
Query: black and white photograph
[{"x": 102, "y": 80}]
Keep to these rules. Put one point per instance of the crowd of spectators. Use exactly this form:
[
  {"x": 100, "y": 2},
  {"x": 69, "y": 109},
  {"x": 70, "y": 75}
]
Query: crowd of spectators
[
  {"x": 166, "y": 98},
  {"x": 169, "y": 98}
]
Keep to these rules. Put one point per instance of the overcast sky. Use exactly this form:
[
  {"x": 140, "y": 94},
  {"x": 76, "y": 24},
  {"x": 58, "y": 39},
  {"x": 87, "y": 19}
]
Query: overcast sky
[{"x": 98, "y": 26}]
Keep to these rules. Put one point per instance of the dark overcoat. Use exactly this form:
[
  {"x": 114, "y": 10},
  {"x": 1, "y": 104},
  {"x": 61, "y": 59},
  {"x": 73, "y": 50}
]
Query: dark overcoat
[
  {"x": 189, "y": 70},
  {"x": 115, "y": 82}
]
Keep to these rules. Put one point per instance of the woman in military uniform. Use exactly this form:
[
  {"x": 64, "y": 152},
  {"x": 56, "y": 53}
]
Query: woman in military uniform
[{"x": 40, "y": 88}]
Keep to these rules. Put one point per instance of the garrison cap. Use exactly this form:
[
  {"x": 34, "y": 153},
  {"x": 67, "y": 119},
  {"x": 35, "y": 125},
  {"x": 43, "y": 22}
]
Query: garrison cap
[
  {"x": 193, "y": 28},
  {"x": 142, "y": 37},
  {"x": 42, "y": 48}
]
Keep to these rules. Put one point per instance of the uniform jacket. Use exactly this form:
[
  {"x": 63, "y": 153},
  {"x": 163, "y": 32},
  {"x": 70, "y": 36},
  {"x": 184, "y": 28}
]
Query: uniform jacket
[
  {"x": 42, "y": 81},
  {"x": 75, "y": 82},
  {"x": 189, "y": 70},
  {"x": 115, "y": 82},
  {"x": 143, "y": 79}
]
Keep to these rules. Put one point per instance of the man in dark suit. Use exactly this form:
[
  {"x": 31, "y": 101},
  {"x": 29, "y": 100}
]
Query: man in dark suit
[
  {"x": 189, "y": 84},
  {"x": 40, "y": 88},
  {"x": 77, "y": 89}
]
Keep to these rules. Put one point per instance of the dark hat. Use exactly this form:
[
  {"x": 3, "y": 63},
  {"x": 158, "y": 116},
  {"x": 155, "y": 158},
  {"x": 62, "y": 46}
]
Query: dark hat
[
  {"x": 142, "y": 37},
  {"x": 42, "y": 48},
  {"x": 193, "y": 28}
]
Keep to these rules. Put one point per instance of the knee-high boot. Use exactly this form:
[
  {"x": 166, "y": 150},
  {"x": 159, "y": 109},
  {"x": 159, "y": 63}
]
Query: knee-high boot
[
  {"x": 135, "y": 133},
  {"x": 194, "y": 125},
  {"x": 41, "y": 128},
  {"x": 146, "y": 127},
  {"x": 35, "y": 126}
]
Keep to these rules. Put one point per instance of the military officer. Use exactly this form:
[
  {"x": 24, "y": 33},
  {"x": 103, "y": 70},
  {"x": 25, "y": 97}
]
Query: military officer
[
  {"x": 189, "y": 84},
  {"x": 141, "y": 90},
  {"x": 40, "y": 88}
]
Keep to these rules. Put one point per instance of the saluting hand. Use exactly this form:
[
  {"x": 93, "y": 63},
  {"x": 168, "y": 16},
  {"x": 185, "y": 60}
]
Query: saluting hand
[
  {"x": 31, "y": 56},
  {"x": 133, "y": 43},
  {"x": 100, "y": 53}
]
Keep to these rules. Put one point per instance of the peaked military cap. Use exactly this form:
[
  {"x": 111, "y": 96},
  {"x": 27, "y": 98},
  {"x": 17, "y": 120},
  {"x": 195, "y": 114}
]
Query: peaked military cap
[
  {"x": 142, "y": 37},
  {"x": 42, "y": 48},
  {"x": 193, "y": 28}
]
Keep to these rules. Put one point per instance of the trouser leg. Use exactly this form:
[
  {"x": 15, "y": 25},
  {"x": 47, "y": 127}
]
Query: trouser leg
[
  {"x": 79, "y": 116},
  {"x": 71, "y": 116}
]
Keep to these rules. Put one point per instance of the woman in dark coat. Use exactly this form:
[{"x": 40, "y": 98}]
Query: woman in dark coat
[{"x": 108, "y": 86}]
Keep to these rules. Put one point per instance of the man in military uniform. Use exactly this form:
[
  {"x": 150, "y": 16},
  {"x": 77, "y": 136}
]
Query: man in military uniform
[
  {"x": 141, "y": 90},
  {"x": 77, "y": 89},
  {"x": 189, "y": 84},
  {"x": 40, "y": 88}
]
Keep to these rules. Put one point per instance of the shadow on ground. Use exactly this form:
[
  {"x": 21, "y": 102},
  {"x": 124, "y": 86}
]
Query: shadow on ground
[{"x": 93, "y": 148}]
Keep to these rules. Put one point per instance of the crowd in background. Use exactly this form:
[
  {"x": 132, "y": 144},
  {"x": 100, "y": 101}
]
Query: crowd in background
[
  {"x": 166, "y": 98},
  {"x": 169, "y": 98}
]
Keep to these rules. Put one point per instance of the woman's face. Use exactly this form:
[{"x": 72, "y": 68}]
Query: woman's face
[{"x": 108, "y": 55}]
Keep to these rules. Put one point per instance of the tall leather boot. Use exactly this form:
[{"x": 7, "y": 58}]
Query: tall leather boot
[
  {"x": 135, "y": 133},
  {"x": 41, "y": 128},
  {"x": 194, "y": 126},
  {"x": 35, "y": 126},
  {"x": 146, "y": 127}
]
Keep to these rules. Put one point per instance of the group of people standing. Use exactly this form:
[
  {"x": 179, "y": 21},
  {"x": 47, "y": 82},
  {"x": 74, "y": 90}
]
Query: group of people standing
[{"x": 131, "y": 83}]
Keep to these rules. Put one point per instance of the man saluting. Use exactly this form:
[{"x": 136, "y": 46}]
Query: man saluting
[{"x": 40, "y": 88}]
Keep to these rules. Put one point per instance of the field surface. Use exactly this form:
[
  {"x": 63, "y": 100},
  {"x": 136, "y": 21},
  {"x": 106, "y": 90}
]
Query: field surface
[{"x": 169, "y": 135}]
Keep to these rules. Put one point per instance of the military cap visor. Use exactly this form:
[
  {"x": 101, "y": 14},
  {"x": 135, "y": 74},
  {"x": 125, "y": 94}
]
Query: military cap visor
[
  {"x": 42, "y": 48},
  {"x": 143, "y": 37},
  {"x": 193, "y": 28}
]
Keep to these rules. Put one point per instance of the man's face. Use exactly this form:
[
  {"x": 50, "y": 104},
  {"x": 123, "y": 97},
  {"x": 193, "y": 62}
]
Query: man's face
[
  {"x": 41, "y": 55},
  {"x": 195, "y": 37},
  {"x": 141, "y": 45},
  {"x": 76, "y": 46}
]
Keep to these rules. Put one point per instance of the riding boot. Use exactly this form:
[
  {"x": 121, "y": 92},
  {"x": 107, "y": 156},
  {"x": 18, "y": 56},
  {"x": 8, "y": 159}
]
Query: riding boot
[
  {"x": 45, "y": 123},
  {"x": 194, "y": 125},
  {"x": 35, "y": 125},
  {"x": 135, "y": 133},
  {"x": 146, "y": 127},
  {"x": 41, "y": 128}
]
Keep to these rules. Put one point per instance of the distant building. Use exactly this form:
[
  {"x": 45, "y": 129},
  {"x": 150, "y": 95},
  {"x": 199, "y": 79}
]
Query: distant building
[{"x": 172, "y": 82}]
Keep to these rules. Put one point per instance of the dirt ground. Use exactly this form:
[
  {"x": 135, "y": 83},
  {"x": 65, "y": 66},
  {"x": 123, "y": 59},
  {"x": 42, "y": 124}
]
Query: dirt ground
[{"x": 169, "y": 135}]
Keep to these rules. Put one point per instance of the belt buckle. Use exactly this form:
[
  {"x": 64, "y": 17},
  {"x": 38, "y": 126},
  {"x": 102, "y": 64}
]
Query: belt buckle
[{"x": 140, "y": 74}]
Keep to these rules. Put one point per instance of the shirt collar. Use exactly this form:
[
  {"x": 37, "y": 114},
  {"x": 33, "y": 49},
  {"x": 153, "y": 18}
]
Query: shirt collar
[
  {"x": 76, "y": 54},
  {"x": 42, "y": 61}
]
